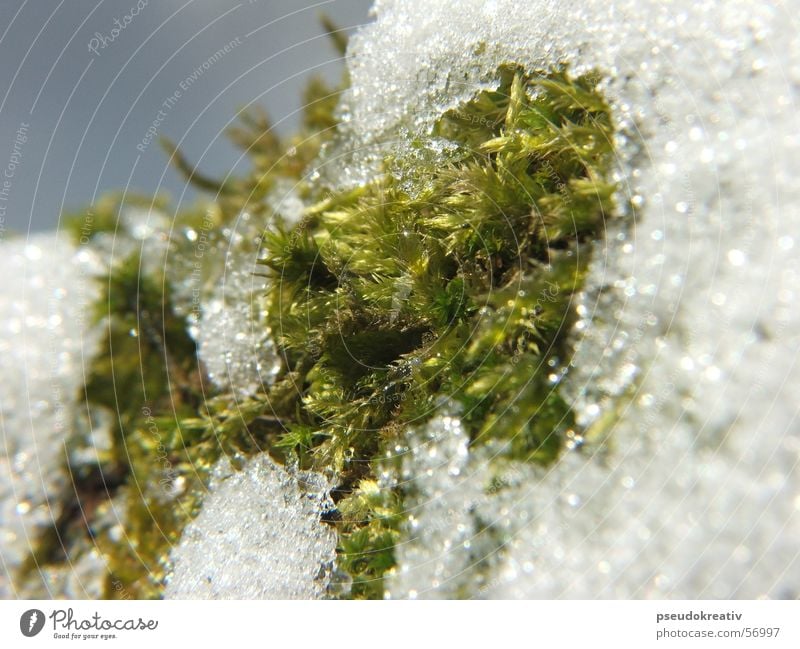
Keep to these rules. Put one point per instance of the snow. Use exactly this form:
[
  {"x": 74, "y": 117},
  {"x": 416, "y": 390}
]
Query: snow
[
  {"x": 440, "y": 527},
  {"x": 234, "y": 342},
  {"x": 216, "y": 286},
  {"x": 258, "y": 536},
  {"x": 46, "y": 341}
]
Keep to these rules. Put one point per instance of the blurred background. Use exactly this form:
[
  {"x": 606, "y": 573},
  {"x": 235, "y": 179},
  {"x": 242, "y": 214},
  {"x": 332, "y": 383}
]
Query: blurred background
[{"x": 87, "y": 86}]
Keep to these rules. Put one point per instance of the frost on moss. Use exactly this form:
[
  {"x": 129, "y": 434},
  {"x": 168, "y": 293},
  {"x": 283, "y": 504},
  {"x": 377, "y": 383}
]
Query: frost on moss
[{"x": 450, "y": 277}]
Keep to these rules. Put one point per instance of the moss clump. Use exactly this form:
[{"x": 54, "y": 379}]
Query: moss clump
[
  {"x": 460, "y": 286},
  {"x": 449, "y": 278},
  {"x": 443, "y": 281}
]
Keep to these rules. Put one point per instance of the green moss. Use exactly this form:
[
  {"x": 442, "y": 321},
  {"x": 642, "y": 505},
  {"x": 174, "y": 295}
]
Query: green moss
[
  {"x": 458, "y": 285},
  {"x": 451, "y": 277},
  {"x": 369, "y": 529},
  {"x": 461, "y": 286}
]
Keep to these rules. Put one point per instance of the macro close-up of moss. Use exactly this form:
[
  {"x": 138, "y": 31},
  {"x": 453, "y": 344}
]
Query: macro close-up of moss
[
  {"x": 395, "y": 300},
  {"x": 448, "y": 281}
]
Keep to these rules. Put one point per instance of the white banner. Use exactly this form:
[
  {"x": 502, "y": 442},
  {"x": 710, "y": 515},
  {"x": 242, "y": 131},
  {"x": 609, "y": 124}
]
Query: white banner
[{"x": 346, "y": 625}]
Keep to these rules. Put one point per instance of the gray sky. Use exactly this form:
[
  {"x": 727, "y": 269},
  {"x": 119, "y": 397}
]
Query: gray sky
[{"x": 78, "y": 91}]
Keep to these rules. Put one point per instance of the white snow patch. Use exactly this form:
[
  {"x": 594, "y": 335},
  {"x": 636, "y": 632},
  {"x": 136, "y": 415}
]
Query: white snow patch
[
  {"x": 234, "y": 341},
  {"x": 258, "y": 536},
  {"x": 46, "y": 343}
]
